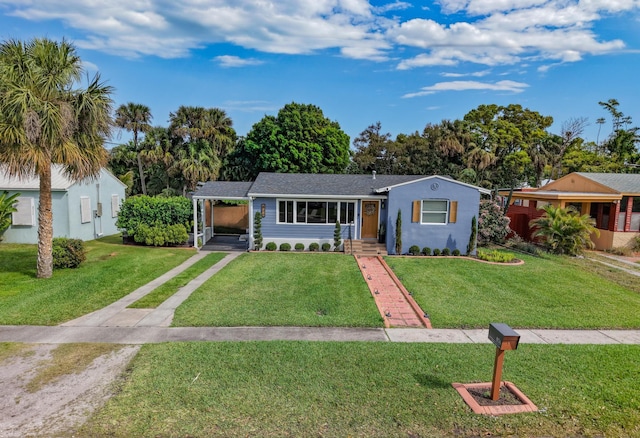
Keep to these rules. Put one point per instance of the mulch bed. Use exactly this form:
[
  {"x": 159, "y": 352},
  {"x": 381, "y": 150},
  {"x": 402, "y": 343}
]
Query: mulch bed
[{"x": 483, "y": 397}]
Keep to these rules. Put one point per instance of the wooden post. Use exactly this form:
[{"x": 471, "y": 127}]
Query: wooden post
[{"x": 497, "y": 374}]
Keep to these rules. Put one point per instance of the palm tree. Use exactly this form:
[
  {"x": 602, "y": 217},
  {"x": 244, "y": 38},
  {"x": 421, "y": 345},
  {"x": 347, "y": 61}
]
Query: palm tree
[
  {"x": 564, "y": 230},
  {"x": 197, "y": 162},
  {"x": 135, "y": 118},
  {"x": 45, "y": 120}
]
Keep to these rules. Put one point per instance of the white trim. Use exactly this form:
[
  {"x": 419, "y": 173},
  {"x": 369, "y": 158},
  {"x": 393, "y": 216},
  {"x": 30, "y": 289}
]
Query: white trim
[
  {"x": 295, "y": 215},
  {"x": 305, "y": 196},
  {"x": 223, "y": 198},
  {"x": 388, "y": 188},
  {"x": 446, "y": 213}
]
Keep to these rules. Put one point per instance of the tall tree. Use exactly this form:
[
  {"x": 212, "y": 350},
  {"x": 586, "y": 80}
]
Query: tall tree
[
  {"x": 135, "y": 118},
  {"x": 200, "y": 133},
  {"x": 374, "y": 151},
  {"x": 46, "y": 118},
  {"x": 299, "y": 139}
]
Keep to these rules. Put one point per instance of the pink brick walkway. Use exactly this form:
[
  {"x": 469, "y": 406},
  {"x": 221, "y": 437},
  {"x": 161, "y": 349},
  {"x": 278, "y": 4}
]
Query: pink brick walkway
[{"x": 396, "y": 306}]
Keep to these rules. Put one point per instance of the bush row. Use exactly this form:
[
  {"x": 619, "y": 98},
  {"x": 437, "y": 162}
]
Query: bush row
[
  {"x": 426, "y": 251},
  {"x": 271, "y": 246}
]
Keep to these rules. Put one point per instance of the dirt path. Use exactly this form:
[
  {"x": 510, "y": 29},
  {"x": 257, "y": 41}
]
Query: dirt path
[{"x": 58, "y": 407}]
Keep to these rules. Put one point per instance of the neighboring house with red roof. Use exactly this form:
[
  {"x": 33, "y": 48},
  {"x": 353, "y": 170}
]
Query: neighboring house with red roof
[{"x": 612, "y": 199}]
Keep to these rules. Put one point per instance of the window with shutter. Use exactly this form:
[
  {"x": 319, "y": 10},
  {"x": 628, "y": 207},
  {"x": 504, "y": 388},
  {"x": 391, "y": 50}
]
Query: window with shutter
[
  {"x": 453, "y": 211},
  {"x": 434, "y": 211},
  {"x": 415, "y": 213},
  {"x": 115, "y": 205},
  {"x": 85, "y": 209},
  {"x": 26, "y": 212}
]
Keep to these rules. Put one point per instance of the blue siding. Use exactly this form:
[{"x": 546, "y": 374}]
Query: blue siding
[
  {"x": 67, "y": 211},
  {"x": 451, "y": 235},
  {"x": 272, "y": 230}
]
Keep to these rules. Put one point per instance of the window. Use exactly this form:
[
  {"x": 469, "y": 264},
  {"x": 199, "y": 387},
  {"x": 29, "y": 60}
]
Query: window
[
  {"x": 315, "y": 212},
  {"x": 25, "y": 213},
  {"x": 85, "y": 209},
  {"x": 115, "y": 205},
  {"x": 434, "y": 212}
]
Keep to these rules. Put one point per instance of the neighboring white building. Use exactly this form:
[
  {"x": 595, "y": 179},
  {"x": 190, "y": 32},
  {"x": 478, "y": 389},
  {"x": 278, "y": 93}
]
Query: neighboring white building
[{"x": 82, "y": 210}]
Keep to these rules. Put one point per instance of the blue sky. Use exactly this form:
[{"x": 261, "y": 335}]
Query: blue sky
[{"x": 402, "y": 63}]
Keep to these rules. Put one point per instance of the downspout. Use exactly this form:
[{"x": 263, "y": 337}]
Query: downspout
[{"x": 195, "y": 223}]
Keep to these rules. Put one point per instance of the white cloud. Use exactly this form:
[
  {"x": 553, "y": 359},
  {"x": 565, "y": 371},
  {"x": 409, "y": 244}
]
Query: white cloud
[
  {"x": 488, "y": 32},
  {"x": 476, "y": 74},
  {"x": 510, "y": 86},
  {"x": 236, "y": 61}
]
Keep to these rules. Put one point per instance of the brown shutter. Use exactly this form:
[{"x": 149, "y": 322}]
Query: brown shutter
[
  {"x": 453, "y": 211},
  {"x": 415, "y": 217}
]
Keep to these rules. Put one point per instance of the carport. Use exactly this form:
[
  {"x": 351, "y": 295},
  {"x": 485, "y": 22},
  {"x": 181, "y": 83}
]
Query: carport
[{"x": 205, "y": 196}]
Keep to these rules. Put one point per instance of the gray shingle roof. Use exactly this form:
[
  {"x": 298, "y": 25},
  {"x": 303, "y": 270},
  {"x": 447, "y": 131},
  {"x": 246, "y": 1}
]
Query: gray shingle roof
[
  {"x": 305, "y": 184},
  {"x": 294, "y": 184},
  {"x": 621, "y": 182},
  {"x": 223, "y": 190}
]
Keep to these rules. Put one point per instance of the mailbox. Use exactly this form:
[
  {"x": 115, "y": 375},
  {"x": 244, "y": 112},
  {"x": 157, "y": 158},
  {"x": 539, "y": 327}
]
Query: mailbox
[{"x": 503, "y": 336}]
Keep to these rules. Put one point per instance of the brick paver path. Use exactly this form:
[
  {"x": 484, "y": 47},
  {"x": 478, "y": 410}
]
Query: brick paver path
[{"x": 396, "y": 306}]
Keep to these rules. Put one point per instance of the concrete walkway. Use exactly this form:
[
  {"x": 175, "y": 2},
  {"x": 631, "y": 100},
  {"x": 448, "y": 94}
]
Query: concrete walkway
[{"x": 118, "y": 315}]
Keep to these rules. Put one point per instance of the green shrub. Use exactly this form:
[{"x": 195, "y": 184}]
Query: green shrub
[
  {"x": 517, "y": 243},
  {"x": 7, "y": 206},
  {"x": 326, "y": 246},
  {"x": 156, "y": 212},
  {"x": 271, "y": 246},
  {"x": 456, "y": 252},
  {"x": 414, "y": 250},
  {"x": 285, "y": 247},
  {"x": 493, "y": 225},
  {"x": 635, "y": 244},
  {"x": 314, "y": 246},
  {"x": 496, "y": 256},
  {"x": 446, "y": 251},
  {"x": 161, "y": 235},
  {"x": 68, "y": 253},
  {"x": 426, "y": 251},
  {"x": 436, "y": 252},
  {"x": 337, "y": 236},
  {"x": 257, "y": 230},
  {"x": 299, "y": 247}
]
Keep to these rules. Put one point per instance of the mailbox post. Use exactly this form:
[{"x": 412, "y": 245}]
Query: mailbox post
[{"x": 504, "y": 338}]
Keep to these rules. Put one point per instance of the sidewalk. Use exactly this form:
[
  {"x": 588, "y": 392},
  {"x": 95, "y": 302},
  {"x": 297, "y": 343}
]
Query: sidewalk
[
  {"x": 120, "y": 325},
  {"x": 148, "y": 335}
]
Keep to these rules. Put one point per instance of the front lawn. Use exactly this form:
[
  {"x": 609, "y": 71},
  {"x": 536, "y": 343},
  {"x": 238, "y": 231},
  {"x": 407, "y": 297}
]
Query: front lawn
[
  {"x": 304, "y": 389},
  {"x": 548, "y": 292},
  {"x": 111, "y": 271},
  {"x": 283, "y": 289}
]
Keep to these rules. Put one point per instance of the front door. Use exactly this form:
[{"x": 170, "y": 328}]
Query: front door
[{"x": 370, "y": 219}]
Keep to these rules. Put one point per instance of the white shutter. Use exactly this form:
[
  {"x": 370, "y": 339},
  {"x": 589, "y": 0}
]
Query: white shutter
[
  {"x": 26, "y": 214},
  {"x": 85, "y": 209},
  {"x": 115, "y": 205}
]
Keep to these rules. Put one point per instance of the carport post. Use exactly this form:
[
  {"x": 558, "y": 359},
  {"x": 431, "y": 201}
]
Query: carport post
[{"x": 195, "y": 223}]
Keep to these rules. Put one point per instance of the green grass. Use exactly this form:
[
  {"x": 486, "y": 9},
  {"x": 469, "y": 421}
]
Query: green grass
[
  {"x": 281, "y": 289},
  {"x": 300, "y": 389},
  {"x": 549, "y": 292},
  {"x": 111, "y": 271},
  {"x": 164, "y": 291}
]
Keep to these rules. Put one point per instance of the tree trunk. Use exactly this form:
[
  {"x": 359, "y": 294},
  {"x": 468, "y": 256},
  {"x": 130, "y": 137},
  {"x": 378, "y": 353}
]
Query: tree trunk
[
  {"x": 45, "y": 226},
  {"x": 140, "y": 169}
]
